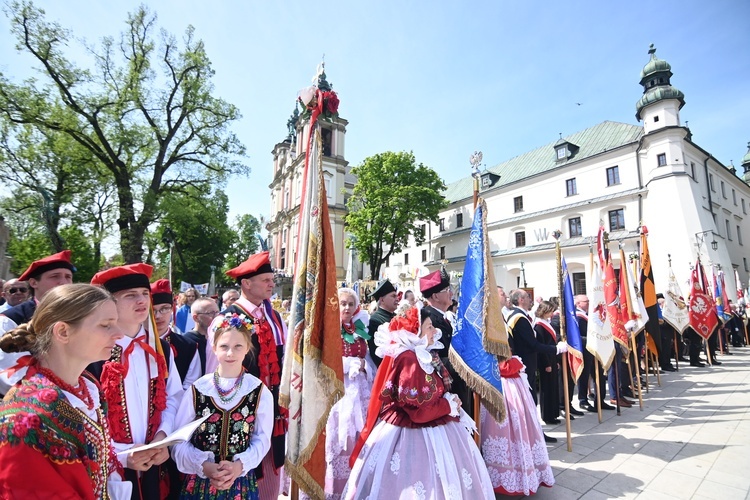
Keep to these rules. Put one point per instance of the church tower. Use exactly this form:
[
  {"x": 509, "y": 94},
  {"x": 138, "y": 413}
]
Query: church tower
[
  {"x": 286, "y": 187},
  {"x": 661, "y": 103}
]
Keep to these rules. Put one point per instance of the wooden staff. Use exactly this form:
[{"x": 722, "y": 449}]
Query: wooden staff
[
  {"x": 636, "y": 361},
  {"x": 598, "y": 391},
  {"x": 676, "y": 351},
  {"x": 564, "y": 338},
  {"x": 708, "y": 353},
  {"x": 645, "y": 357}
]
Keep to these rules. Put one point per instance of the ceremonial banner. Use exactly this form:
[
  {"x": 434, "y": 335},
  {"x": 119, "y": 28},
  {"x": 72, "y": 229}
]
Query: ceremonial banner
[
  {"x": 480, "y": 336},
  {"x": 312, "y": 378},
  {"x": 675, "y": 311},
  {"x": 738, "y": 284},
  {"x": 638, "y": 314},
  {"x": 649, "y": 291},
  {"x": 599, "y": 339},
  {"x": 614, "y": 312},
  {"x": 702, "y": 314},
  {"x": 572, "y": 333},
  {"x": 722, "y": 300}
]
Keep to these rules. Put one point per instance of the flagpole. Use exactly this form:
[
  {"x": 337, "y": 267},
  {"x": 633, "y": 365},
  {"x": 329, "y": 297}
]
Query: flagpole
[
  {"x": 563, "y": 336},
  {"x": 635, "y": 352},
  {"x": 476, "y": 160},
  {"x": 597, "y": 390}
]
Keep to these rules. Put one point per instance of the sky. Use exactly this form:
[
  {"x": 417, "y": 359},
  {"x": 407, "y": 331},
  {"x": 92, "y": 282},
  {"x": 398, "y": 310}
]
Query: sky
[{"x": 445, "y": 78}]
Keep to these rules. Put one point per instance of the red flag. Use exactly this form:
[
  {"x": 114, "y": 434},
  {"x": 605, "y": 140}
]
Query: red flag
[
  {"x": 703, "y": 318},
  {"x": 600, "y": 248},
  {"x": 614, "y": 308}
]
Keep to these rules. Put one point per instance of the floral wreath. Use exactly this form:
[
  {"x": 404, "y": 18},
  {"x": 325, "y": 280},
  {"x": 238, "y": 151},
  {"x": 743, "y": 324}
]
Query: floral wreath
[{"x": 234, "y": 320}]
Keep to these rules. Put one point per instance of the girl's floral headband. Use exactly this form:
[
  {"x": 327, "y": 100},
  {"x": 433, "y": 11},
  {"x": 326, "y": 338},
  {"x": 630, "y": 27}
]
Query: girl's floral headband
[{"x": 234, "y": 320}]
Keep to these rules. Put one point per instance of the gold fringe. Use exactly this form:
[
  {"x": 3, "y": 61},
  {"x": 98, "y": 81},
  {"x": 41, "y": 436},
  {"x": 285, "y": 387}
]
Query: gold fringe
[
  {"x": 491, "y": 398},
  {"x": 501, "y": 350}
]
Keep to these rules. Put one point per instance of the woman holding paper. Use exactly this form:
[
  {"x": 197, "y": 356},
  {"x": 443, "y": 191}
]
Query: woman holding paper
[
  {"x": 54, "y": 437},
  {"x": 219, "y": 459}
]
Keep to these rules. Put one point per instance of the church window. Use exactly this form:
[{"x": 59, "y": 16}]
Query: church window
[
  {"x": 617, "y": 219},
  {"x": 570, "y": 187},
  {"x": 613, "y": 176},
  {"x": 518, "y": 204},
  {"x": 661, "y": 160},
  {"x": 326, "y": 136},
  {"x": 520, "y": 239},
  {"x": 574, "y": 227}
]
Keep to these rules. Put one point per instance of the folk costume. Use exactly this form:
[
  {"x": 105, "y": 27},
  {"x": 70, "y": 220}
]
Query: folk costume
[
  {"x": 23, "y": 312},
  {"x": 549, "y": 402},
  {"x": 268, "y": 341},
  {"x": 239, "y": 428},
  {"x": 347, "y": 417},
  {"x": 514, "y": 450},
  {"x": 418, "y": 447},
  {"x": 184, "y": 350},
  {"x": 141, "y": 386},
  {"x": 55, "y": 441},
  {"x": 379, "y": 317}
]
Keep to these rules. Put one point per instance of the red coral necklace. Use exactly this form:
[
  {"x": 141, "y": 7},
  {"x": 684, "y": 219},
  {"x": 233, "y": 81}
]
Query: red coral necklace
[{"x": 81, "y": 392}]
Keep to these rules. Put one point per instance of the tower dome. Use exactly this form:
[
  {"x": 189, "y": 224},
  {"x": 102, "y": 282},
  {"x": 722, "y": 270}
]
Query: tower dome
[{"x": 655, "y": 79}]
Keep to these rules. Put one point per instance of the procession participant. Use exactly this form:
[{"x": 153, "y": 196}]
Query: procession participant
[
  {"x": 52, "y": 424},
  {"x": 229, "y": 297},
  {"x": 219, "y": 459},
  {"x": 256, "y": 282},
  {"x": 183, "y": 319},
  {"x": 348, "y": 415},
  {"x": 419, "y": 447},
  {"x": 42, "y": 276},
  {"x": 204, "y": 311},
  {"x": 525, "y": 344},
  {"x": 589, "y": 365},
  {"x": 184, "y": 351},
  {"x": 548, "y": 367},
  {"x": 387, "y": 302},
  {"x": 15, "y": 291},
  {"x": 435, "y": 288},
  {"x": 140, "y": 382}
]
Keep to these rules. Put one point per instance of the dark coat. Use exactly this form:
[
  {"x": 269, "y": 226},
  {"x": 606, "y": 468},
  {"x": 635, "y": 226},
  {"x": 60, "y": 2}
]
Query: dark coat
[
  {"x": 378, "y": 318},
  {"x": 21, "y": 313}
]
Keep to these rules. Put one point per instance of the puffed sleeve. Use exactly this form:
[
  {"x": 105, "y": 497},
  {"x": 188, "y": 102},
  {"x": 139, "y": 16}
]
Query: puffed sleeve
[
  {"x": 188, "y": 458},
  {"x": 260, "y": 443}
]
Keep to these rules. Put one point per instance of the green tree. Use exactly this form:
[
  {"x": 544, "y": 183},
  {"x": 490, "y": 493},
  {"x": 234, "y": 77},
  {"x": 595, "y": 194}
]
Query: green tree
[
  {"x": 197, "y": 220},
  {"x": 391, "y": 194},
  {"x": 245, "y": 242},
  {"x": 145, "y": 111}
]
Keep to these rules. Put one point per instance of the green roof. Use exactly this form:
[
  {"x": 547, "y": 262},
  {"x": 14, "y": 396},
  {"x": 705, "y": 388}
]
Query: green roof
[{"x": 605, "y": 136}]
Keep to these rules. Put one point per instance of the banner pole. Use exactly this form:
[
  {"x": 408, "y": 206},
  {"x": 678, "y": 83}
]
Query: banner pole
[
  {"x": 637, "y": 371},
  {"x": 564, "y": 337},
  {"x": 598, "y": 391}
]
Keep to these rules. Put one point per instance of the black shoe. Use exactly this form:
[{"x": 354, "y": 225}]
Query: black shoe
[
  {"x": 683, "y": 359},
  {"x": 585, "y": 405},
  {"x": 549, "y": 439},
  {"x": 668, "y": 368},
  {"x": 627, "y": 393},
  {"x": 728, "y": 353},
  {"x": 592, "y": 397},
  {"x": 552, "y": 422},
  {"x": 606, "y": 406},
  {"x": 717, "y": 363},
  {"x": 697, "y": 363}
]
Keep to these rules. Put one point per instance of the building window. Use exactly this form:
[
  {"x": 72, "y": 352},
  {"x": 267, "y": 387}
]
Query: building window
[
  {"x": 561, "y": 153},
  {"x": 441, "y": 224},
  {"x": 460, "y": 220},
  {"x": 518, "y": 204},
  {"x": 424, "y": 255},
  {"x": 744, "y": 261},
  {"x": 574, "y": 227},
  {"x": 723, "y": 191},
  {"x": 739, "y": 235},
  {"x": 326, "y": 137},
  {"x": 442, "y": 253},
  {"x": 423, "y": 230},
  {"x": 692, "y": 170},
  {"x": 661, "y": 159},
  {"x": 406, "y": 259},
  {"x": 613, "y": 176},
  {"x": 570, "y": 187},
  {"x": 711, "y": 182},
  {"x": 579, "y": 283},
  {"x": 283, "y": 258},
  {"x": 734, "y": 197},
  {"x": 744, "y": 210},
  {"x": 656, "y": 118},
  {"x": 617, "y": 219},
  {"x": 520, "y": 239},
  {"x": 729, "y": 234}
]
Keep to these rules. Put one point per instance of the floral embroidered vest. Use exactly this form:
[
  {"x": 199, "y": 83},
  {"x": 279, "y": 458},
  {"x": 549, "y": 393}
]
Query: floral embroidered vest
[{"x": 226, "y": 432}]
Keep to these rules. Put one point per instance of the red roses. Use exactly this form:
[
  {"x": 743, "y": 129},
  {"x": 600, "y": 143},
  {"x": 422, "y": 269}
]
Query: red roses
[{"x": 330, "y": 102}]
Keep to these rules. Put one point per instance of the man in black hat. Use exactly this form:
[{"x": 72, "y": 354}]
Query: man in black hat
[{"x": 387, "y": 299}]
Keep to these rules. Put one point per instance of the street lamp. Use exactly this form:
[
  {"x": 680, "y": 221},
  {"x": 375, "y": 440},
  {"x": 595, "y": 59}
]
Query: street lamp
[{"x": 701, "y": 237}]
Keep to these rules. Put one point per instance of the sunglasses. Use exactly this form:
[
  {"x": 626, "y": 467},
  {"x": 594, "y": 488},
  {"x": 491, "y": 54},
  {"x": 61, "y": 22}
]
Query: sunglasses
[{"x": 16, "y": 290}]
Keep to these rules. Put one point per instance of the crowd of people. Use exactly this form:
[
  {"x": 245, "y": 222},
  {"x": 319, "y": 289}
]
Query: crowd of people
[{"x": 92, "y": 373}]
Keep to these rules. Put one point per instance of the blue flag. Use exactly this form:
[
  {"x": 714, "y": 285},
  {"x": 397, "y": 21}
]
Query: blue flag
[
  {"x": 572, "y": 332},
  {"x": 480, "y": 337}
]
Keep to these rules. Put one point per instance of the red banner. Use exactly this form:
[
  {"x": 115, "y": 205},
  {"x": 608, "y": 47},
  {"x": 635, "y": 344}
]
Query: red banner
[{"x": 702, "y": 315}]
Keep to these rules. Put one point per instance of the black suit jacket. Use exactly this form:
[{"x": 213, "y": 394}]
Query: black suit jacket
[
  {"x": 21, "y": 313},
  {"x": 525, "y": 343},
  {"x": 378, "y": 318},
  {"x": 439, "y": 321}
]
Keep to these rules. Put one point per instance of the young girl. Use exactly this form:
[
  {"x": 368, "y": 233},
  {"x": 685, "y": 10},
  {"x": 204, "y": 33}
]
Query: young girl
[{"x": 220, "y": 457}]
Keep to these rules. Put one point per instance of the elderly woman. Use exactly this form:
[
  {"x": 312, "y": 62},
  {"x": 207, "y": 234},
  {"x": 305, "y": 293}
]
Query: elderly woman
[
  {"x": 54, "y": 439},
  {"x": 419, "y": 447}
]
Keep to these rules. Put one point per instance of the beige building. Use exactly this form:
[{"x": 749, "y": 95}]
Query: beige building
[
  {"x": 286, "y": 190},
  {"x": 617, "y": 173}
]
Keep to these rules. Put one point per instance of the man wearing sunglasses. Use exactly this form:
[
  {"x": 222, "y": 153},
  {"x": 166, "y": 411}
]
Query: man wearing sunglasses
[{"x": 14, "y": 292}]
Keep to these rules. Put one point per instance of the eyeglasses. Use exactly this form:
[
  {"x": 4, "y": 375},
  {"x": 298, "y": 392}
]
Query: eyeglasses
[
  {"x": 162, "y": 310},
  {"x": 15, "y": 290}
]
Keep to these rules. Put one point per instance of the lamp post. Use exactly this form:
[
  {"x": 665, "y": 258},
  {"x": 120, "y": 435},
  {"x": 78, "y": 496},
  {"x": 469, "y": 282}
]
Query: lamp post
[
  {"x": 700, "y": 238},
  {"x": 475, "y": 160}
]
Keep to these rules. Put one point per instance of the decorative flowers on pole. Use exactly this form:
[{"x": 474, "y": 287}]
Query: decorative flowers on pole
[{"x": 325, "y": 102}]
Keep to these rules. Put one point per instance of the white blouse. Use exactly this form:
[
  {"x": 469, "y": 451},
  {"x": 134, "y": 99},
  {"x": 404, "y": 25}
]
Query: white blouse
[{"x": 190, "y": 459}]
